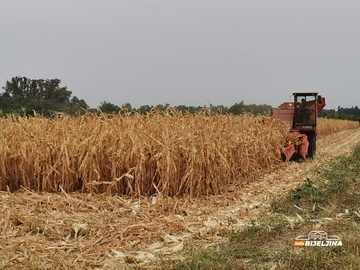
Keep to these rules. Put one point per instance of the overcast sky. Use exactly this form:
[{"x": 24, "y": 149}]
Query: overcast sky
[{"x": 186, "y": 52}]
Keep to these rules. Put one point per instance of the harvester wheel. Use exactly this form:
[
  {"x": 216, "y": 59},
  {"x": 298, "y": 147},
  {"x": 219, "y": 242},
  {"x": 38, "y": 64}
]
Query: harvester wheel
[{"x": 312, "y": 145}]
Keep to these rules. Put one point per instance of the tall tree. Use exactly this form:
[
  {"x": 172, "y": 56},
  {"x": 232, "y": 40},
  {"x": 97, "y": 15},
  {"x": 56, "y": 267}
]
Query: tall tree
[{"x": 39, "y": 95}]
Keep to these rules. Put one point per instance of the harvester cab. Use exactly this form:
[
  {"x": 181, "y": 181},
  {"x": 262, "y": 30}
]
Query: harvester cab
[{"x": 301, "y": 114}]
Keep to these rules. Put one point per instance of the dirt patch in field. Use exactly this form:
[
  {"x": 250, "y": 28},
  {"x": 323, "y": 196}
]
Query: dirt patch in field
[{"x": 85, "y": 231}]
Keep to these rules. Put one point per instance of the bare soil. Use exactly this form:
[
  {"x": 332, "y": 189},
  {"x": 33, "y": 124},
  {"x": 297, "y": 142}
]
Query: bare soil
[{"x": 87, "y": 231}]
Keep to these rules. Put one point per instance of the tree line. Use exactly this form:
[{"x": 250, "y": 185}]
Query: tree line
[
  {"x": 236, "y": 109},
  {"x": 352, "y": 113},
  {"x": 26, "y": 96}
]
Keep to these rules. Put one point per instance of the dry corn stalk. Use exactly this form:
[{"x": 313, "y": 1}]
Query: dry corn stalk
[
  {"x": 168, "y": 153},
  {"x": 329, "y": 126}
]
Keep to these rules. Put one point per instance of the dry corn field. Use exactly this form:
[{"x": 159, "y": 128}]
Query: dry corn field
[
  {"x": 331, "y": 126},
  {"x": 167, "y": 154},
  {"x": 139, "y": 155}
]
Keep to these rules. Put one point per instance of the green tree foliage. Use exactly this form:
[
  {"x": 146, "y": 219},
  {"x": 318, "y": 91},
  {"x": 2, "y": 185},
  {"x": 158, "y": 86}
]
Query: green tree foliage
[
  {"x": 108, "y": 107},
  {"x": 239, "y": 108},
  {"x": 236, "y": 109},
  {"x": 25, "y": 88},
  {"x": 22, "y": 94},
  {"x": 144, "y": 109},
  {"x": 352, "y": 113},
  {"x": 79, "y": 102},
  {"x": 126, "y": 106}
]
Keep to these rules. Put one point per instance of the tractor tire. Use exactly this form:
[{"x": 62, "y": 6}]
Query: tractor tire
[{"x": 312, "y": 145}]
